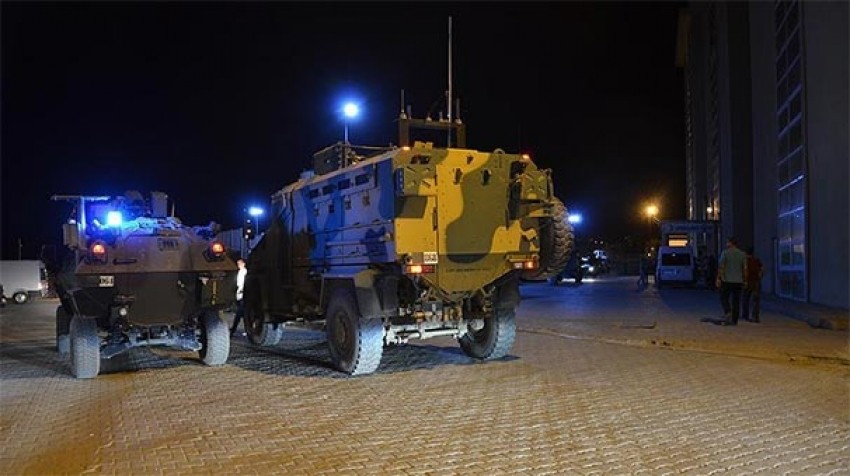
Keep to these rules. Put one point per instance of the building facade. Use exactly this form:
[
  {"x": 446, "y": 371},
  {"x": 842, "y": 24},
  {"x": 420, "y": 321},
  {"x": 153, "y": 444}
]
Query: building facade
[{"x": 767, "y": 147}]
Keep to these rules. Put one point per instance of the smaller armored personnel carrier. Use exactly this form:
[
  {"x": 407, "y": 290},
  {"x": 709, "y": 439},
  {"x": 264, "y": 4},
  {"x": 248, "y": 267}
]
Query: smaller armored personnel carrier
[{"x": 135, "y": 276}]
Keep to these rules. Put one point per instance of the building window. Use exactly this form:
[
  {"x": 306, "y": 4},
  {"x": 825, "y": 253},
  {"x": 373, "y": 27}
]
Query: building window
[{"x": 790, "y": 121}]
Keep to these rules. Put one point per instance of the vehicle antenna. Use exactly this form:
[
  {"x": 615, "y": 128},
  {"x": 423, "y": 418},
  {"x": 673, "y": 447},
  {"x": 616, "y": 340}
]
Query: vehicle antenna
[
  {"x": 449, "y": 101},
  {"x": 402, "y": 115}
]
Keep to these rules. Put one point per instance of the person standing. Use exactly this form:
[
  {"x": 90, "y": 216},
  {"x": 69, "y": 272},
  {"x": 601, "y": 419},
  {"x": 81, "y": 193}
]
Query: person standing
[
  {"x": 752, "y": 286},
  {"x": 240, "y": 293},
  {"x": 643, "y": 280},
  {"x": 711, "y": 271},
  {"x": 730, "y": 279}
]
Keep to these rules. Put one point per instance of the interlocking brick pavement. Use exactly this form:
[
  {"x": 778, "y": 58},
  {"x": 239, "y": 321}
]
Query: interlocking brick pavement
[
  {"x": 556, "y": 405},
  {"x": 614, "y": 310}
]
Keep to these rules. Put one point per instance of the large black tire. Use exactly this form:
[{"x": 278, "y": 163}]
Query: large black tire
[
  {"x": 85, "y": 348},
  {"x": 556, "y": 244},
  {"x": 494, "y": 340},
  {"x": 215, "y": 339},
  {"x": 20, "y": 298},
  {"x": 261, "y": 332},
  {"x": 356, "y": 343},
  {"x": 63, "y": 329}
]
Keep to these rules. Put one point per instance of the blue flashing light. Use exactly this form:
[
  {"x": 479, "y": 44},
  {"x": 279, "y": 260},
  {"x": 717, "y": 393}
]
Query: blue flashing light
[
  {"x": 114, "y": 218},
  {"x": 574, "y": 218},
  {"x": 255, "y": 211},
  {"x": 351, "y": 110}
]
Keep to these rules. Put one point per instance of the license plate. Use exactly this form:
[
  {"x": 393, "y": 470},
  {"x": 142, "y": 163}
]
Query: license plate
[
  {"x": 107, "y": 281},
  {"x": 429, "y": 257}
]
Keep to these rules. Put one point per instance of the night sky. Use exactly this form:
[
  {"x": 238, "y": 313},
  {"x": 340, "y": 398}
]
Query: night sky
[{"x": 219, "y": 105}]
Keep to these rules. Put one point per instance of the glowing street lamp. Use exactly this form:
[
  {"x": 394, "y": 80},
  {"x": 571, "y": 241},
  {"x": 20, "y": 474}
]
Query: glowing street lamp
[
  {"x": 574, "y": 218},
  {"x": 651, "y": 212},
  {"x": 255, "y": 211}
]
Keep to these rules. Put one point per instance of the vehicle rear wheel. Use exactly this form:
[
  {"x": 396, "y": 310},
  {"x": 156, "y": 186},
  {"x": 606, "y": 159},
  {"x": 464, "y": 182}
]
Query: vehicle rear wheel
[
  {"x": 494, "y": 340},
  {"x": 85, "y": 348},
  {"x": 215, "y": 339},
  {"x": 63, "y": 329},
  {"x": 356, "y": 343},
  {"x": 260, "y": 332},
  {"x": 20, "y": 298}
]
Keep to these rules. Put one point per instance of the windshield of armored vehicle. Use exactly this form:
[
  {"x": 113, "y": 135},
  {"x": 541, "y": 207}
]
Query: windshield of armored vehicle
[{"x": 122, "y": 215}]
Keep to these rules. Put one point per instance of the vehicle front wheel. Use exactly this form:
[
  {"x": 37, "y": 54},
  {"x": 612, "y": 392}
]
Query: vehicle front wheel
[
  {"x": 63, "y": 329},
  {"x": 85, "y": 348},
  {"x": 494, "y": 340},
  {"x": 20, "y": 298},
  {"x": 356, "y": 343},
  {"x": 215, "y": 339}
]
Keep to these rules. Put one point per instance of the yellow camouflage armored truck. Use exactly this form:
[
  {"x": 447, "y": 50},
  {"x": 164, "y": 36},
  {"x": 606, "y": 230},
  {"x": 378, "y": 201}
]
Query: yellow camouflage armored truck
[{"x": 389, "y": 244}]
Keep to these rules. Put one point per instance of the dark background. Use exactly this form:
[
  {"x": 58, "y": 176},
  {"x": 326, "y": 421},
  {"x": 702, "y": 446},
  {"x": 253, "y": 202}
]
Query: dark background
[{"x": 220, "y": 104}]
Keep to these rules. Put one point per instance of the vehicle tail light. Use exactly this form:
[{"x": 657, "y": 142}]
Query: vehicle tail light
[
  {"x": 215, "y": 251},
  {"x": 526, "y": 263},
  {"x": 418, "y": 269},
  {"x": 97, "y": 252}
]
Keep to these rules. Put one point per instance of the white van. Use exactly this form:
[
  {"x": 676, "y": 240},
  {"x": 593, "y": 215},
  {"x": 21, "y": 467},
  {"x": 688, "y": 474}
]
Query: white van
[
  {"x": 675, "y": 265},
  {"x": 23, "y": 279}
]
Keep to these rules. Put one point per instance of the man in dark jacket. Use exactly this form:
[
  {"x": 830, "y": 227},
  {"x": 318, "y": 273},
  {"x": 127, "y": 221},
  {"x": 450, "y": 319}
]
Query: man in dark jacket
[{"x": 752, "y": 286}]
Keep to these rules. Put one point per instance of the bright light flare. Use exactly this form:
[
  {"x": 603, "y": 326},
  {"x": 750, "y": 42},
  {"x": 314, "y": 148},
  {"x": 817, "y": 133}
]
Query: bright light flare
[
  {"x": 255, "y": 211},
  {"x": 114, "y": 218},
  {"x": 651, "y": 210},
  {"x": 351, "y": 110},
  {"x": 574, "y": 218}
]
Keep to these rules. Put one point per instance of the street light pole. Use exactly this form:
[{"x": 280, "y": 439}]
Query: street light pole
[
  {"x": 256, "y": 212},
  {"x": 349, "y": 111},
  {"x": 651, "y": 212}
]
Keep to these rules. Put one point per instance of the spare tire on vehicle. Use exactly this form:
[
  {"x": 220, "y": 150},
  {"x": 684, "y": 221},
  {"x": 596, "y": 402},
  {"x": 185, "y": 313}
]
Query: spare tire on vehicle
[{"x": 556, "y": 244}]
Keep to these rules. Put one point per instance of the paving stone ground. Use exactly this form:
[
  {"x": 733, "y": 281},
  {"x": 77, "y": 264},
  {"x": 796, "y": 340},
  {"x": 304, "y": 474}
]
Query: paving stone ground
[{"x": 579, "y": 394}]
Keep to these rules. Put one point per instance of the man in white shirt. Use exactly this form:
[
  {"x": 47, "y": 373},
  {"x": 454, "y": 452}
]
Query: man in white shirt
[{"x": 240, "y": 287}]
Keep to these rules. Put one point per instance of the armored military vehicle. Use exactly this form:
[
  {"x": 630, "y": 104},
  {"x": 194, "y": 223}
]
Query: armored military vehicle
[
  {"x": 383, "y": 245},
  {"x": 135, "y": 276}
]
